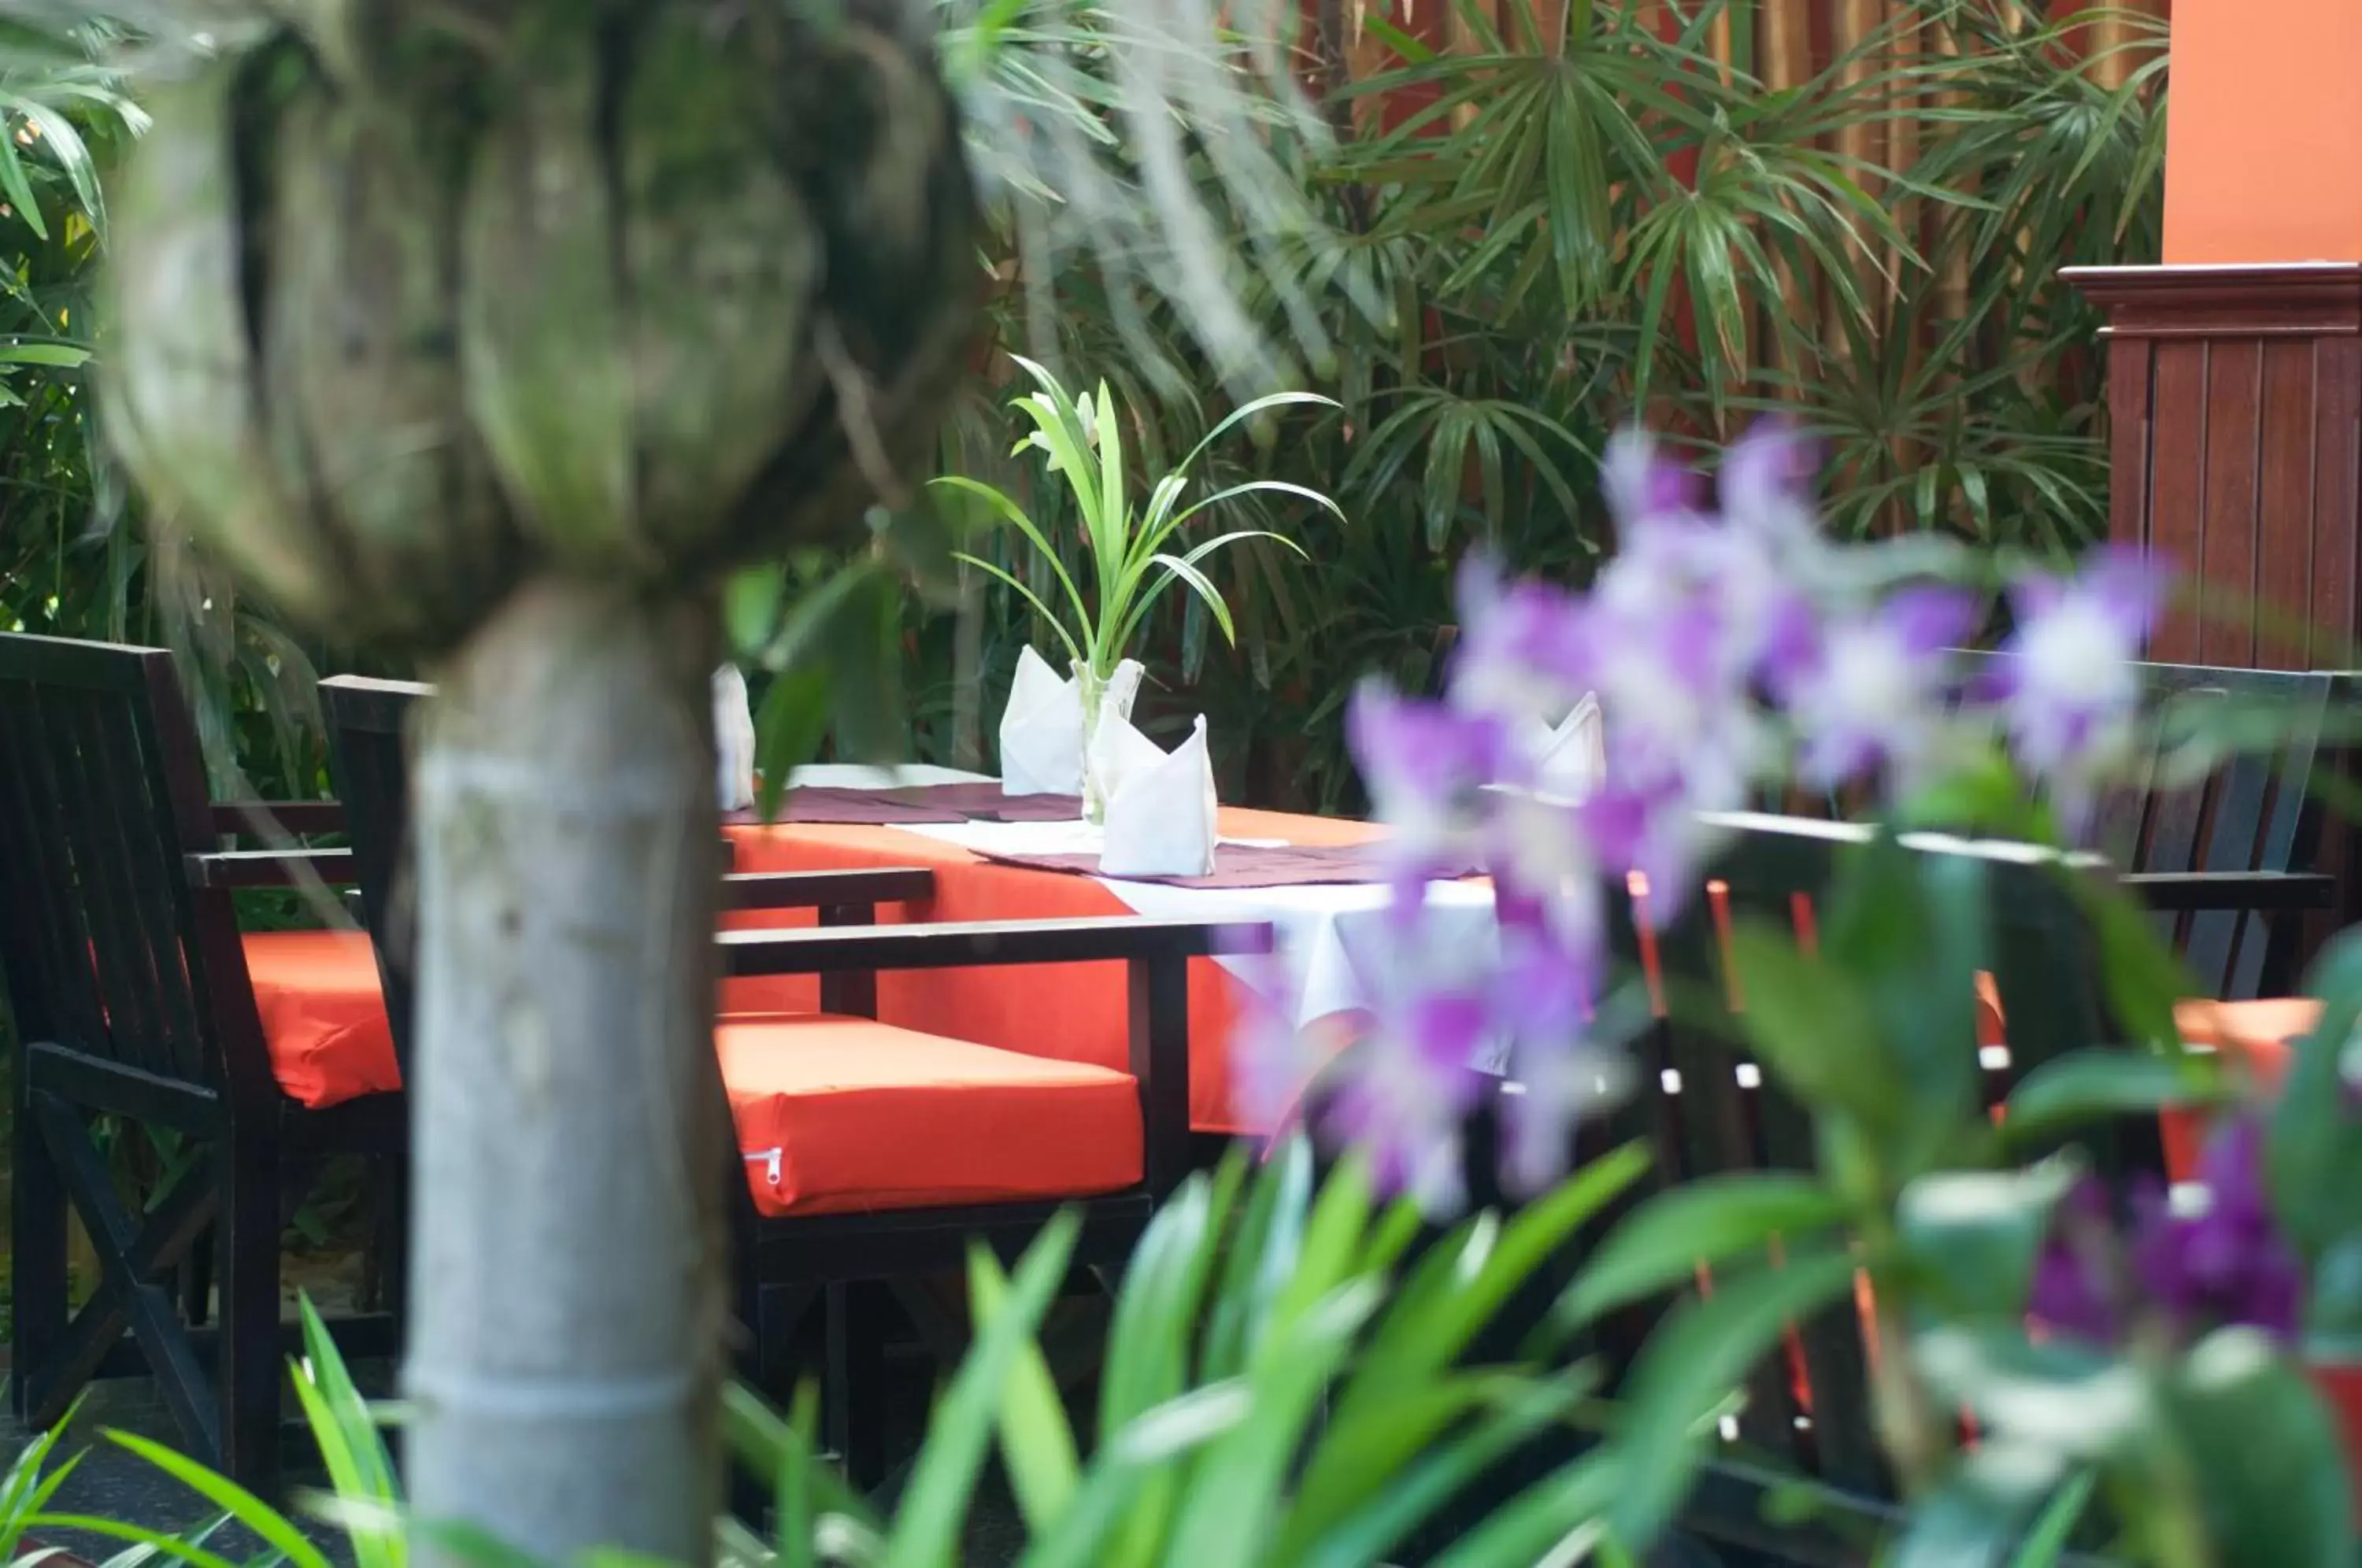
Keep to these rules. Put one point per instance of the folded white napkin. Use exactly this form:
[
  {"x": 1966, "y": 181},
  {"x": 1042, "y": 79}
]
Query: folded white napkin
[
  {"x": 1160, "y": 810},
  {"x": 734, "y": 740},
  {"x": 1569, "y": 757},
  {"x": 1041, "y": 728},
  {"x": 1040, "y": 732}
]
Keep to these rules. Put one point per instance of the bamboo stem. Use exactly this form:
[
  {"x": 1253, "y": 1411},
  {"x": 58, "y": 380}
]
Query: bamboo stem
[{"x": 564, "y": 1351}]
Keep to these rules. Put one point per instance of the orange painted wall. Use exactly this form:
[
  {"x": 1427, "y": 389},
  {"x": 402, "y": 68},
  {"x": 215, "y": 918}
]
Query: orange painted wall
[{"x": 2264, "y": 132}]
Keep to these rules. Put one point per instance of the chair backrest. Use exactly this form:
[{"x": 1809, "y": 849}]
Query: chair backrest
[
  {"x": 368, "y": 723},
  {"x": 1709, "y": 1108},
  {"x": 109, "y": 953},
  {"x": 2253, "y": 812}
]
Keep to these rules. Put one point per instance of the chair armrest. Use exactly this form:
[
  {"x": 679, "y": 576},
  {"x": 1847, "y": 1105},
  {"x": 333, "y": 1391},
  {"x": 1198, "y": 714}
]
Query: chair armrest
[
  {"x": 269, "y": 867},
  {"x": 2234, "y": 891},
  {"x": 833, "y": 949},
  {"x": 296, "y": 817},
  {"x": 817, "y": 890}
]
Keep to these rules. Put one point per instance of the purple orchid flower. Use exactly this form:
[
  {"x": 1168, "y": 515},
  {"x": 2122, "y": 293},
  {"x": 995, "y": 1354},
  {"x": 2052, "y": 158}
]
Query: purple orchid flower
[
  {"x": 2225, "y": 1265},
  {"x": 1520, "y": 647},
  {"x": 1766, "y": 483},
  {"x": 1412, "y": 1085},
  {"x": 2228, "y": 1264},
  {"x": 1424, "y": 763},
  {"x": 1642, "y": 486},
  {"x": 2066, "y": 680},
  {"x": 2075, "y": 1288},
  {"x": 1547, "y": 990},
  {"x": 1871, "y": 695}
]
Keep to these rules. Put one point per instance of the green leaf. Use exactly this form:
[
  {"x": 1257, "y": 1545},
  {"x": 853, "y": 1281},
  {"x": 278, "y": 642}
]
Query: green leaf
[
  {"x": 1687, "y": 1370},
  {"x": 1035, "y": 1440},
  {"x": 2145, "y": 976},
  {"x": 1149, "y": 1452},
  {"x": 1148, "y": 1341},
  {"x": 1200, "y": 584},
  {"x": 751, "y": 602},
  {"x": 1813, "y": 1027},
  {"x": 1983, "y": 1507},
  {"x": 1233, "y": 1493},
  {"x": 1262, "y": 1253},
  {"x": 66, "y": 355},
  {"x": 1074, "y": 649},
  {"x": 2083, "y": 1087},
  {"x": 1248, "y": 410},
  {"x": 18, "y": 189},
  {"x": 2263, "y": 1454},
  {"x": 1974, "y": 1234},
  {"x": 177, "y": 1548},
  {"x": 770, "y": 1446},
  {"x": 2333, "y": 1316},
  {"x": 1459, "y": 1287},
  {"x": 1551, "y": 1521},
  {"x": 354, "y": 1453},
  {"x": 2313, "y": 1158},
  {"x": 1709, "y": 1221},
  {"x": 2047, "y": 1542},
  {"x": 268, "y": 1523},
  {"x": 1911, "y": 927},
  {"x": 789, "y": 728},
  {"x": 1014, "y": 515},
  {"x": 1395, "y": 1502},
  {"x": 935, "y": 1505}
]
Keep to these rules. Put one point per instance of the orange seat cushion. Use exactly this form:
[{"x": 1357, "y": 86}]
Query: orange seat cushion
[
  {"x": 2256, "y": 1032},
  {"x": 847, "y": 1115},
  {"x": 322, "y": 1014}
]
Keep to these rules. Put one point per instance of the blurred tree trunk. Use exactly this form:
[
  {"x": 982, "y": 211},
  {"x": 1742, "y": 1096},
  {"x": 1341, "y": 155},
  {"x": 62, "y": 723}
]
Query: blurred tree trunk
[{"x": 568, "y": 1277}]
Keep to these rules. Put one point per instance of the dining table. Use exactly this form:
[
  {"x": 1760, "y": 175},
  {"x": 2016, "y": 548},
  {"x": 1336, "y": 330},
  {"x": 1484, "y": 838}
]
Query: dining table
[{"x": 1318, "y": 881}]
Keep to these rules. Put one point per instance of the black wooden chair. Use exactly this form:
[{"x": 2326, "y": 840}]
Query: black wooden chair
[
  {"x": 2230, "y": 860},
  {"x": 1808, "y": 1415},
  {"x": 1704, "y": 1106},
  {"x": 844, "y": 1261},
  {"x": 134, "y": 997}
]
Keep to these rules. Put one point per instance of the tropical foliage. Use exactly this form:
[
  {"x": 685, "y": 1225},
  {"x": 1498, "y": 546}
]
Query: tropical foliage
[
  {"x": 1126, "y": 545},
  {"x": 1573, "y": 216},
  {"x": 1487, "y": 254},
  {"x": 1287, "y": 1350}
]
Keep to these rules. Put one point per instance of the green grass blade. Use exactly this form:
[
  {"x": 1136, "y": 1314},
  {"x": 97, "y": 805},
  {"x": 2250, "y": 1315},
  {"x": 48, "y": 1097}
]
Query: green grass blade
[
  {"x": 1036, "y": 1442},
  {"x": 267, "y": 1522},
  {"x": 927, "y": 1526}
]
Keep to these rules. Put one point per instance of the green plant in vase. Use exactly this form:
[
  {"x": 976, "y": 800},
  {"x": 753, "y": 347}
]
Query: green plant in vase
[{"x": 1131, "y": 545}]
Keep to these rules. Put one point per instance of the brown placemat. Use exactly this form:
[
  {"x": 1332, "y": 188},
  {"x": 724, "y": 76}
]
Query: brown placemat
[
  {"x": 851, "y": 808},
  {"x": 1240, "y": 865},
  {"x": 982, "y": 801},
  {"x": 916, "y": 804}
]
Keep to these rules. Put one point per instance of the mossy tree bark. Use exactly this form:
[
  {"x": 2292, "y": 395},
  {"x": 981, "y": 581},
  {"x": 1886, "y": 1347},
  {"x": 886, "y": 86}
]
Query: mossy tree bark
[{"x": 568, "y": 1264}]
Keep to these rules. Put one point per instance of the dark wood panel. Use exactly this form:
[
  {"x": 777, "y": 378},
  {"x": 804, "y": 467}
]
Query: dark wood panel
[
  {"x": 2235, "y": 373},
  {"x": 2130, "y": 364},
  {"x": 2177, "y": 480},
  {"x": 2284, "y": 484},
  {"x": 2336, "y": 501}
]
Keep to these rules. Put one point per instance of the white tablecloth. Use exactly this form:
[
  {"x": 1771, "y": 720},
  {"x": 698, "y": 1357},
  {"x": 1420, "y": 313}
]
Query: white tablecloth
[{"x": 1335, "y": 952}]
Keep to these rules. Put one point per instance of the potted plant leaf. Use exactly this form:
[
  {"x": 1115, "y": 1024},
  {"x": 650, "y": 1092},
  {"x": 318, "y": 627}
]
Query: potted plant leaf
[{"x": 1130, "y": 536}]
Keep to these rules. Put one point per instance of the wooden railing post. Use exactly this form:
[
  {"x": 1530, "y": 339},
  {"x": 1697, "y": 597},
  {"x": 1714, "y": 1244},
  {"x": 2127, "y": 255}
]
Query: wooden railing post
[{"x": 2235, "y": 396}]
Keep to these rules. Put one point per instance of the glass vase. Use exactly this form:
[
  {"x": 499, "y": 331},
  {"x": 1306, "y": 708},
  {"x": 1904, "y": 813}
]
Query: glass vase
[{"x": 1104, "y": 696}]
